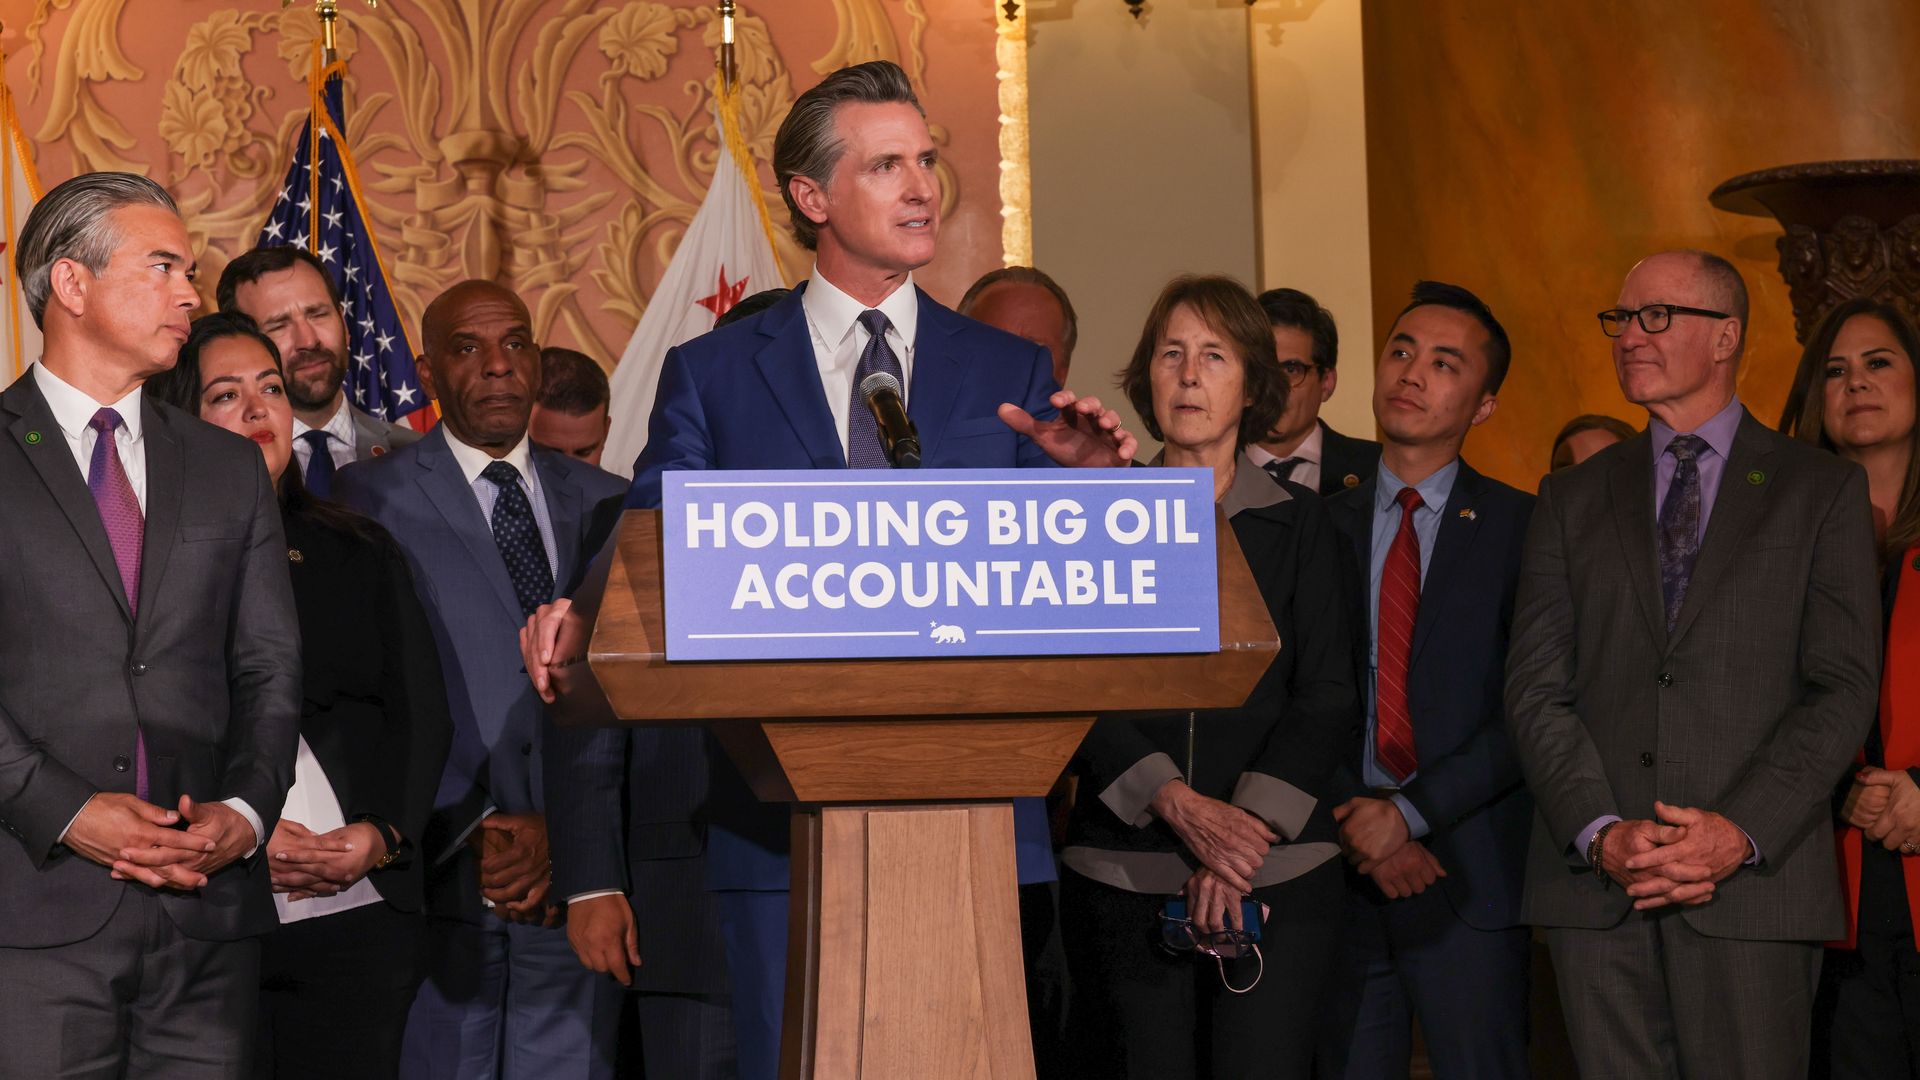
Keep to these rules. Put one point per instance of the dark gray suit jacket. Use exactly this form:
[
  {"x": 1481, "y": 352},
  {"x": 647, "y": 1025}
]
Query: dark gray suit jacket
[
  {"x": 419, "y": 493},
  {"x": 210, "y": 670},
  {"x": 374, "y": 437},
  {"x": 1752, "y": 708}
]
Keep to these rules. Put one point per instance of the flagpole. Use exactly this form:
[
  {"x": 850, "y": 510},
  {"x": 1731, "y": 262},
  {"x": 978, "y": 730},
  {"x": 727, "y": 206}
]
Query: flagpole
[
  {"x": 329, "y": 12},
  {"x": 729, "y": 71}
]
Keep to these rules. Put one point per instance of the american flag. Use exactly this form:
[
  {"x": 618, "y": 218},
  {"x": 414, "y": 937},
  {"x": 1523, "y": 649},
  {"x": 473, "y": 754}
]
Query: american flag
[{"x": 318, "y": 208}]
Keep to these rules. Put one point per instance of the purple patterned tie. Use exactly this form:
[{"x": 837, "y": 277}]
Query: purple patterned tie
[{"x": 126, "y": 530}]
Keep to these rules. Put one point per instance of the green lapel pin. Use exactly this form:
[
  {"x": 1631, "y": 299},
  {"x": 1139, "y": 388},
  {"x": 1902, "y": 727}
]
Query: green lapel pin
[
  {"x": 33, "y": 438},
  {"x": 1756, "y": 478}
]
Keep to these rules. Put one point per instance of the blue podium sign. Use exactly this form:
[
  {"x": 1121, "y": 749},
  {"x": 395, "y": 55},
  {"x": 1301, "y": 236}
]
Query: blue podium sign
[{"x": 944, "y": 562}]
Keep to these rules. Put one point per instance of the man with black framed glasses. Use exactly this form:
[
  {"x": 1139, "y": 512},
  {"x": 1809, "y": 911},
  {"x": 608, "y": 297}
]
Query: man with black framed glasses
[
  {"x": 1302, "y": 448},
  {"x": 1695, "y": 658}
]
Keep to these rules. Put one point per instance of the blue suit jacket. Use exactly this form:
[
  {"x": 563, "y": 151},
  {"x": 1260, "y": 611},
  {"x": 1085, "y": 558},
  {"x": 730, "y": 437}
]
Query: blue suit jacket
[
  {"x": 419, "y": 493},
  {"x": 1469, "y": 787},
  {"x": 748, "y": 396}
]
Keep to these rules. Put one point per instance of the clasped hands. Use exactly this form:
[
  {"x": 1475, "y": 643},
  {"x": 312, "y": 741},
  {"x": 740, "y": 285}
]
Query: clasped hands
[
  {"x": 1679, "y": 858},
  {"x": 1885, "y": 804},
  {"x": 303, "y": 864},
  {"x": 141, "y": 842},
  {"x": 515, "y": 869},
  {"x": 1375, "y": 837},
  {"x": 1230, "y": 843}
]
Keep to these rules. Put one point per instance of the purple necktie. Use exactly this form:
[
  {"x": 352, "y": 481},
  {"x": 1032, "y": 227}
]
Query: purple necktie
[{"x": 126, "y": 529}]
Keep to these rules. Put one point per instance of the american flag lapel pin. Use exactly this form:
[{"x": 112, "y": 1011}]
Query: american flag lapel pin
[{"x": 1469, "y": 515}]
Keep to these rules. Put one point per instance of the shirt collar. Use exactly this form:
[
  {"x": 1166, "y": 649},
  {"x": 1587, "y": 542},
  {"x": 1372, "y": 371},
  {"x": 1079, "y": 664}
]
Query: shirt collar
[
  {"x": 1308, "y": 450},
  {"x": 73, "y": 408},
  {"x": 1718, "y": 432},
  {"x": 834, "y": 314},
  {"x": 1433, "y": 490},
  {"x": 339, "y": 425},
  {"x": 473, "y": 460}
]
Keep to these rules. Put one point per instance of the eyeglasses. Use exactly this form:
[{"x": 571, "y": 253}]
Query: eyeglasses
[
  {"x": 1181, "y": 936},
  {"x": 1653, "y": 318},
  {"x": 1297, "y": 372}
]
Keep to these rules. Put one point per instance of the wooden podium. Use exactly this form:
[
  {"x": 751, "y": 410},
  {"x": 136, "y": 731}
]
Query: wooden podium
[{"x": 904, "y": 950}]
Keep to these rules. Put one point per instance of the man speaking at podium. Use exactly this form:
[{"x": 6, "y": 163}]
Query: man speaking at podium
[{"x": 780, "y": 390}]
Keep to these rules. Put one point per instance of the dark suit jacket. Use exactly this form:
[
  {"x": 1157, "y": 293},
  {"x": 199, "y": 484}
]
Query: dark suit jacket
[
  {"x": 1751, "y": 708},
  {"x": 1342, "y": 456},
  {"x": 374, "y": 437},
  {"x": 1468, "y": 787},
  {"x": 375, "y": 712},
  {"x": 420, "y": 495},
  {"x": 748, "y": 396},
  {"x": 210, "y": 670}
]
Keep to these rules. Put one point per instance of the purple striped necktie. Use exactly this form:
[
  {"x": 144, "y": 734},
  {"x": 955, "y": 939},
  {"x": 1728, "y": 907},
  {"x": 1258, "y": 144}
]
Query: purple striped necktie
[{"x": 126, "y": 529}]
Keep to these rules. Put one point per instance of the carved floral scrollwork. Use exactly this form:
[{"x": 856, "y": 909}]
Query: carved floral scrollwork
[
  {"x": 1853, "y": 258},
  {"x": 569, "y": 169}
]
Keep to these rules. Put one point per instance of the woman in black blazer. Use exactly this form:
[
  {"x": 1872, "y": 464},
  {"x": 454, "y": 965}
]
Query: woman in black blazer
[
  {"x": 339, "y": 976},
  {"x": 1221, "y": 806}
]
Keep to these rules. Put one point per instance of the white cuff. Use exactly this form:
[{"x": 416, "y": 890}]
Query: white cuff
[
  {"x": 595, "y": 895},
  {"x": 240, "y": 807}
]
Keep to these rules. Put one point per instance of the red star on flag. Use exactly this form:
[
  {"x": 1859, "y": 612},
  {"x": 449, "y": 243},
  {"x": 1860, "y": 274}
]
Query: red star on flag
[{"x": 725, "y": 295}]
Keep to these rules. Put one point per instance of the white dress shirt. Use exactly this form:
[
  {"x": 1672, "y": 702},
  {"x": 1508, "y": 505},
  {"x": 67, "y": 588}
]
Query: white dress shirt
[
  {"x": 833, "y": 321},
  {"x": 312, "y": 802},
  {"x": 73, "y": 411},
  {"x": 340, "y": 434},
  {"x": 1307, "y": 473}
]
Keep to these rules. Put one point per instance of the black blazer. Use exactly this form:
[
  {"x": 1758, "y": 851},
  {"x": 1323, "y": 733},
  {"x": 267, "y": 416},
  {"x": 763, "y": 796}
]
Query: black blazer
[
  {"x": 209, "y": 670},
  {"x": 1295, "y": 725},
  {"x": 1343, "y": 456},
  {"x": 375, "y": 709},
  {"x": 1468, "y": 787}
]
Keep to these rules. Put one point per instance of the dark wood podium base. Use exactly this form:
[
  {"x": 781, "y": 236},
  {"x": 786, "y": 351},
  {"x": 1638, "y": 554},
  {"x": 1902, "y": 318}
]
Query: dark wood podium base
[{"x": 904, "y": 951}]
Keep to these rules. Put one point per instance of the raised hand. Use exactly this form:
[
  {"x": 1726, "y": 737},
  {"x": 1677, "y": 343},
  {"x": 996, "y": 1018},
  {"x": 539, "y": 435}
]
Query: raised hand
[{"x": 1087, "y": 434}]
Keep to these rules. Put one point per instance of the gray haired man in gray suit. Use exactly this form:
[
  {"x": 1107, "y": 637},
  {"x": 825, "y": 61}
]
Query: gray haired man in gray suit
[
  {"x": 149, "y": 668},
  {"x": 1695, "y": 660}
]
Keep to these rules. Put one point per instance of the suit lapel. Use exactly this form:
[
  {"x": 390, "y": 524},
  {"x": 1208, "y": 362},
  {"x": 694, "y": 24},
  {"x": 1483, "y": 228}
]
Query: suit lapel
[
  {"x": 1734, "y": 506},
  {"x": 564, "y": 511},
  {"x": 166, "y": 484},
  {"x": 1630, "y": 486},
  {"x": 446, "y": 487},
  {"x": 793, "y": 375},
  {"x": 937, "y": 374},
  {"x": 1459, "y": 524},
  {"x": 39, "y": 438}
]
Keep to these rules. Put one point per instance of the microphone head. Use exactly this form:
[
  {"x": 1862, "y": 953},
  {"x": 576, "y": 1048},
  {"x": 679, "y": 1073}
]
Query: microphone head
[{"x": 878, "y": 381}]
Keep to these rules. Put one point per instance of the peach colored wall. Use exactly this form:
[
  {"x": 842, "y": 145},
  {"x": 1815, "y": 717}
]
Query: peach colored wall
[
  {"x": 1534, "y": 151},
  {"x": 560, "y": 146}
]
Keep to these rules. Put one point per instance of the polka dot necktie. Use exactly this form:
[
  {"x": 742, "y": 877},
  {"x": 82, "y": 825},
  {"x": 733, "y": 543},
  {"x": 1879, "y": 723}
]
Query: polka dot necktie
[
  {"x": 517, "y": 536},
  {"x": 126, "y": 530}
]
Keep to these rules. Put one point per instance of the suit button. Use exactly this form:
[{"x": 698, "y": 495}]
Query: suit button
[
  {"x": 1666, "y": 678},
  {"x": 1646, "y": 761},
  {"x": 121, "y": 764},
  {"x": 139, "y": 669},
  {"x": 526, "y": 749}
]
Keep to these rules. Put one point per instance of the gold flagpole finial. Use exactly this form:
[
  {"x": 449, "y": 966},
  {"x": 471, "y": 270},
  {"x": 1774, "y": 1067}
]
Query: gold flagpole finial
[
  {"x": 729, "y": 71},
  {"x": 329, "y": 12}
]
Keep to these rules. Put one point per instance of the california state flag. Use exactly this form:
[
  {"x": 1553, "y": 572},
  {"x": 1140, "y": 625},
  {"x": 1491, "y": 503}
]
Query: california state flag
[
  {"x": 19, "y": 189},
  {"x": 726, "y": 255}
]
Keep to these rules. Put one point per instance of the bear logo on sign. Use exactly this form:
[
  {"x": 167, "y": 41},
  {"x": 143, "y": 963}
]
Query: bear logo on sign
[{"x": 948, "y": 635}]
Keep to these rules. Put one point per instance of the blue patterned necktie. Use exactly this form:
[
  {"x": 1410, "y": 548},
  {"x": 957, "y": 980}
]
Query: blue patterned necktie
[
  {"x": 1680, "y": 524},
  {"x": 319, "y": 474},
  {"x": 517, "y": 536},
  {"x": 863, "y": 431}
]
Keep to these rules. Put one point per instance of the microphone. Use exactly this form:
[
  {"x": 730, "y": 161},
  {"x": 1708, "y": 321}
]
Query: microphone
[{"x": 881, "y": 392}]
